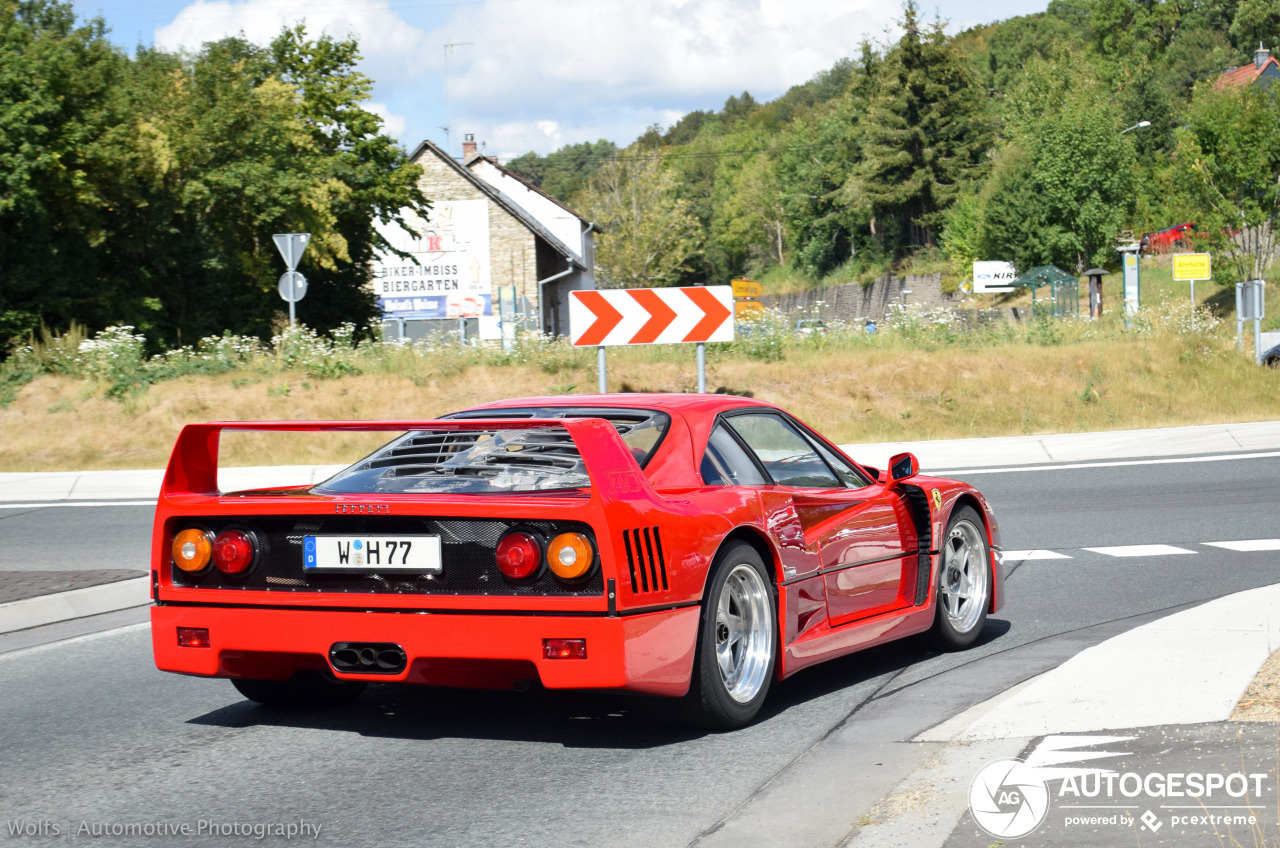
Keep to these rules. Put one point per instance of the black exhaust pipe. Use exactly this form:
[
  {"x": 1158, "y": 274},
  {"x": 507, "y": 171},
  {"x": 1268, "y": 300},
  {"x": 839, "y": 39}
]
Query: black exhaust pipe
[{"x": 367, "y": 657}]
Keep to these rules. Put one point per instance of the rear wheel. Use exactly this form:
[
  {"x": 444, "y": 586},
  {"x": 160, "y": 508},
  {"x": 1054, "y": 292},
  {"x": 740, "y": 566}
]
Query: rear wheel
[
  {"x": 964, "y": 582},
  {"x": 737, "y": 641},
  {"x": 306, "y": 689}
]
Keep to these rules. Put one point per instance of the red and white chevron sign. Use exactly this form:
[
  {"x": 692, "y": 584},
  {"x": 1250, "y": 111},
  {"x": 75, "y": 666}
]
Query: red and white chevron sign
[{"x": 651, "y": 316}]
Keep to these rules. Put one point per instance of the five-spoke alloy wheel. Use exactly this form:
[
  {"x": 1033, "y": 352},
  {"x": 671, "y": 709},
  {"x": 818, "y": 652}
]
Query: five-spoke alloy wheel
[
  {"x": 737, "y": 640},
  {"x": 964, "y": 582}
]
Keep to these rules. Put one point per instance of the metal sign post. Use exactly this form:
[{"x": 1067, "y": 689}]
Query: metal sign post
[
  {"x": 1132, "y": 287},
  {"x": 1250, "y": 306},
  {"x": 292, "y": 286}
]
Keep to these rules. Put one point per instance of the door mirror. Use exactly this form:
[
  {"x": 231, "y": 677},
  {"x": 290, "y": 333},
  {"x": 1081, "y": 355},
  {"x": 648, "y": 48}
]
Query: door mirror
[{"x": 902, "y": 466}]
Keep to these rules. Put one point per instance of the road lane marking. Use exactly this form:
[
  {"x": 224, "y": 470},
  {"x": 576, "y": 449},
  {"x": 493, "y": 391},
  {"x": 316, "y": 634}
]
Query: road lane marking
[
  {"x": 1140, "y": 550},
  {"x": 1009, "y": 556},
  {"x": 1248, "y": 545},
  {"x": 1067, "y": 467},
  {"x": 47, "y": 504}
]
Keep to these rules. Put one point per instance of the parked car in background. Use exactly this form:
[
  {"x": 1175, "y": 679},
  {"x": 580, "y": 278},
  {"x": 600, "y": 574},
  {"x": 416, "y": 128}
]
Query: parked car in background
[
  {"x": 1272, "y": 357},
  {"x": 807, "y": 326},
  {"x": 1177, "y": 236}
]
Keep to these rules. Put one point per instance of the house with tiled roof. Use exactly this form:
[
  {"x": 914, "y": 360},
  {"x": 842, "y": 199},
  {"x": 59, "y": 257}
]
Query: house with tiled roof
[
  {"x": 494, "y": 252},
  {"x": 1262, "y": 71}
]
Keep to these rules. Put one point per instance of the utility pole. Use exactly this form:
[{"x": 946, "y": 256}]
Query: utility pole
[{"x": 448, "y": 97}]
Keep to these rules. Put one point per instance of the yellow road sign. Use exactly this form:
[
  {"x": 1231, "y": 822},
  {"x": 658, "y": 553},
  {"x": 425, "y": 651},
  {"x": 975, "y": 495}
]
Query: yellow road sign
[
  {"x": 748, "y": 308},
  {"x": 1192, "y": 266},
  {"x": 747, "y": 288}
]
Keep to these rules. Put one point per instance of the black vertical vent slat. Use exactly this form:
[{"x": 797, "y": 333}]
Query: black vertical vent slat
[
  {"x": 662, "y": 562},
  {"x": 644, "y": 577},
  {"x": 631, "y": 560},
  {"x": 653, "y": 563}
]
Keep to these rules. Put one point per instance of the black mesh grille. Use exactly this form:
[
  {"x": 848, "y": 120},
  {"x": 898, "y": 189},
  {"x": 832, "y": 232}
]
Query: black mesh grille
[
  {"x": 646, "y": 563},
  {"x": 468, "y": 545}
]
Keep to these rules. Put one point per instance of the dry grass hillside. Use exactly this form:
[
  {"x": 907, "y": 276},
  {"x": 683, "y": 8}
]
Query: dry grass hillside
[{"x": 922, "y": 386}]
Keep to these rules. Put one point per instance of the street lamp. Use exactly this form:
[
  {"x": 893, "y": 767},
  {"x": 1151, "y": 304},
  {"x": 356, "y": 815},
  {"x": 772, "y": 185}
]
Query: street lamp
[{"x": 1136, "y": 126}]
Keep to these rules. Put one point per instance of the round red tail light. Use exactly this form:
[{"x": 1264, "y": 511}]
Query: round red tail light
[
  {"x": 233, "y": 551},
  {"x": 519, "y": 555}
]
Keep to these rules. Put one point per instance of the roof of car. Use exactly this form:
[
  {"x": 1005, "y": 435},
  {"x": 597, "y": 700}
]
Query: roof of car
[{"x": 676, "y": 402}]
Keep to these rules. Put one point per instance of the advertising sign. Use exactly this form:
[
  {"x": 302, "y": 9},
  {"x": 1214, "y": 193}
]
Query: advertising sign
[
  {"x": 448, "y": 272},
  {"x": 992, "y": 277},
  {"x": 1192, "y": 266}
]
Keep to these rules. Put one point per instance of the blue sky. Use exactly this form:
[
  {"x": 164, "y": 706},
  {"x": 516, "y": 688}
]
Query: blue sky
[{"x": 538, "y": 74}]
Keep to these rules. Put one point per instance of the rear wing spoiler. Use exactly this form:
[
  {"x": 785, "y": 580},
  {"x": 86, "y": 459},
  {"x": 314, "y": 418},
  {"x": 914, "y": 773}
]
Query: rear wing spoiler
[{"x": 614, "y": 473}]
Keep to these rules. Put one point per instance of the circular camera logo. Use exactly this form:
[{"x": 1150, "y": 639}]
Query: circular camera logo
[{"x": 1008, "y": 800}]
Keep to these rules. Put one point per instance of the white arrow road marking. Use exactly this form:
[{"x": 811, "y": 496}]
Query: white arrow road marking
[{"x": 1140, "y": 550}]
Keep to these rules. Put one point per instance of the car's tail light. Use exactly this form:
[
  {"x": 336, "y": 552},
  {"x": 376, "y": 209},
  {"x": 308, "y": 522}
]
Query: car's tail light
[
  {"x": 519, "y": 555},
  {"x": 192, "y": 549},
  {"x": 564, "y": 649},
  {"x": 234, "y": 551},
  {"x": 570, "y": 556},
  {"x": 193, "y": 637}
]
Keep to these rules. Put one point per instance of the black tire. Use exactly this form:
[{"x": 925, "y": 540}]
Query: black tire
[
  {"x": 961, "y": 604},
  {"x": 305, "y": 690},
  {"x": 741, "y": 585}
]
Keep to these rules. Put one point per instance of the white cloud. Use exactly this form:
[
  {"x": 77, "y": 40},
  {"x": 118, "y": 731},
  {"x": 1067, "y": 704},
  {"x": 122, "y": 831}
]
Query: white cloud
[
  {"x": 527, "y": 56},
  {"x": 393, "y": 49},
  {"x": 392, "y": 124}
]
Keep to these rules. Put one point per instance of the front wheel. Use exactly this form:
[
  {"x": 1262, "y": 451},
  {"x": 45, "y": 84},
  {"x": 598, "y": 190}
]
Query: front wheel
[
  {"x": 737, "y": 641},
  {"x": 964, "y": 582},
  {"x": 306, "y": 689}
]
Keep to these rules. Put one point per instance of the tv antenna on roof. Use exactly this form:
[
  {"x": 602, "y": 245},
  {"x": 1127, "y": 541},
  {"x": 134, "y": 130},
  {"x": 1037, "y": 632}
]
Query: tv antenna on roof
[{"x": 448, "y": 98}]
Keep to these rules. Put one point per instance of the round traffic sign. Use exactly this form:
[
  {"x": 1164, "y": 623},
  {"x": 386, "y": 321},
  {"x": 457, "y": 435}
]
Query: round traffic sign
[{"x": 293, "y": 286}]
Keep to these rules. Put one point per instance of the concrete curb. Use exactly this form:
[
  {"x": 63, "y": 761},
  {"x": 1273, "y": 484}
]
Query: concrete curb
[
  {"x": 77, "y": 603},
  {"x": 1187, "y": 668}
]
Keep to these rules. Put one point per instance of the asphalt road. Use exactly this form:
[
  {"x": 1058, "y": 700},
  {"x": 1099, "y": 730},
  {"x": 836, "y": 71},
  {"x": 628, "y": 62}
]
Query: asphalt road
[{"x": 94, "y": 737}]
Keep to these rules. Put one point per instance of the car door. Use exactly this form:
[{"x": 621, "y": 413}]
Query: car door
[{"x": 863, "y": 533}]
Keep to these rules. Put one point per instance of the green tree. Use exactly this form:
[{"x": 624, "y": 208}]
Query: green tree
[
  {"x": 648, "y": 233},
  {"x": 922, "y": 135},
  {"x": 1062, "y": 185},
  {"x": 1256, "y": 22},
  {"x": 62, "y": 104},
  {"x": 1228, "y": 165}
]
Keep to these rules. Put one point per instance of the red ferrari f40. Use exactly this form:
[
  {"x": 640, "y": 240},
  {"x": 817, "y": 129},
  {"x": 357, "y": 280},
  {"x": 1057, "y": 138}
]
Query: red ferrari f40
[{"x": 692, "y": 546}]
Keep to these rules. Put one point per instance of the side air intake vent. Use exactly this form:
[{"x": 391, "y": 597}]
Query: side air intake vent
[{"x": 645, "y": 561}]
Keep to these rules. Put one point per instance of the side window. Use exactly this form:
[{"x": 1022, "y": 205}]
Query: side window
[
  {"x": 726, "y": 464},
  {"x": 788, "y": 457},
  {"x": 846, "y": 472}
]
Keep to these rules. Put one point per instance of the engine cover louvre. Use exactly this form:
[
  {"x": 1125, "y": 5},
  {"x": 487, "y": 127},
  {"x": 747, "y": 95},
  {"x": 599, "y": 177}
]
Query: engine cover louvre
[{"x": 646, "y": 563}]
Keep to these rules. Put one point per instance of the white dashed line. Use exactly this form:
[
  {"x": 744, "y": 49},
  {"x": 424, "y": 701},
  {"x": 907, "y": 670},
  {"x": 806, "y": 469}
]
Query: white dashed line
[
  {"x": 1249, "y": 545},
  {"x": 1010, "y": 556},
  {"x": 1140, "y": 550}
]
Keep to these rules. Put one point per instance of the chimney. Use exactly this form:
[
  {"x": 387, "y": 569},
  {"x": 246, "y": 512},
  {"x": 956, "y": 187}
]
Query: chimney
[
  {"x": 468, "y": 147},
  {"x": 1260, "y": 57}
]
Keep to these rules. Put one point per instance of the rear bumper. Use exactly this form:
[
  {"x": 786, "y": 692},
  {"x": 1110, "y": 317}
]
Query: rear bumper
[{"x": 651, "y": 652}]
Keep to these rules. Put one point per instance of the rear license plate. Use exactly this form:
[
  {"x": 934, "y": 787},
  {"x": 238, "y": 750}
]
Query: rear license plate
[{"x": 411, "y": 554}]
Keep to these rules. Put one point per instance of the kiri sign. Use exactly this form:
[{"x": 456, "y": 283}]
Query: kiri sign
[{"x": 993, "y": 277}]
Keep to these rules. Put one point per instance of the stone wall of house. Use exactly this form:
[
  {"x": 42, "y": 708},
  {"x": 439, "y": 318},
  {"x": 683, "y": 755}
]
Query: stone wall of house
[
  {"x": 511, "y": 246},
  {"x": 855, "y": 303}
]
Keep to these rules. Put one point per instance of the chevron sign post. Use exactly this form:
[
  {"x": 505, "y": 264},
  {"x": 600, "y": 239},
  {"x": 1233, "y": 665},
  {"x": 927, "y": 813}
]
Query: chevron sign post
[{"x": 693, "y": 315}]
